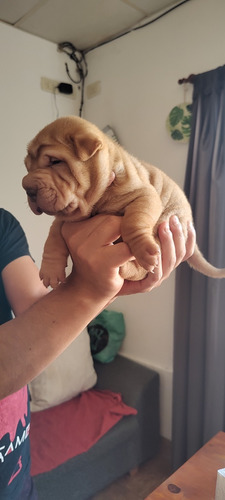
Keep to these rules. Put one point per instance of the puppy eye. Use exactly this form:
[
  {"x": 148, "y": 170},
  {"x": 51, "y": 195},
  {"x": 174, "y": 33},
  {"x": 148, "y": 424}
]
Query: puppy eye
[{"x": 54, "y": 161}]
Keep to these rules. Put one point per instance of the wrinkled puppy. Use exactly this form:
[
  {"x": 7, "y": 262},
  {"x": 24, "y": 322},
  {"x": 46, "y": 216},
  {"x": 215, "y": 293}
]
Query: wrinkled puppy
[{"x": 75, "y": 171}]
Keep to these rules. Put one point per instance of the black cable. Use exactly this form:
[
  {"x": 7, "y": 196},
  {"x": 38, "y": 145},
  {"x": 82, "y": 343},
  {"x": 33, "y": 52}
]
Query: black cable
[
  {"x": 78, "y": 57},
  {"x": 134, "y": 29}
]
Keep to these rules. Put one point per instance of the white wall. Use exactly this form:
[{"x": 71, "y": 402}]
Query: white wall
[
  {"x": 25, "y": 109},
  {"x": 139, "y": 75}
]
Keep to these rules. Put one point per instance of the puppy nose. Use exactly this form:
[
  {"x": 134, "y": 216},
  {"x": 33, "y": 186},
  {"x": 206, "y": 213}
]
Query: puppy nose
[{"x": 31, "y": 193}]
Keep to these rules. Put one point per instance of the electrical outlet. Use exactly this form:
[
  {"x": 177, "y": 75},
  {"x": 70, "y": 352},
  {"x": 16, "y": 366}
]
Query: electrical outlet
[
  {"x": 51, "y": 86},
  {"x": 93, "y": 89}
]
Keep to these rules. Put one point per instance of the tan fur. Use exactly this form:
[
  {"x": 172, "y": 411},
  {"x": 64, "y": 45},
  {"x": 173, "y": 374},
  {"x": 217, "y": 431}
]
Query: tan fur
[{"x": 75, "y": 171}]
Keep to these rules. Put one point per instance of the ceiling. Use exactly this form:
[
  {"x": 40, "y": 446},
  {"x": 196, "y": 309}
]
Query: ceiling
[{"x": 84, "y": 23}]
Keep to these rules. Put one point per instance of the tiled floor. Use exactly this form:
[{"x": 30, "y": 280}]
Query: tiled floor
[{"x": 138, "y": 485}]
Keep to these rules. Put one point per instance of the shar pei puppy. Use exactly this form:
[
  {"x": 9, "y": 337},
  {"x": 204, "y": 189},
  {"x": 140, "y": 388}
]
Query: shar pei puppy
[{"x": 75, "y": 171}]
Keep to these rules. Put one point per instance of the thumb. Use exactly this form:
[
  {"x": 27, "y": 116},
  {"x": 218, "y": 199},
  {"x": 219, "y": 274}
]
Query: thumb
[{"x": 118, "y": 254}]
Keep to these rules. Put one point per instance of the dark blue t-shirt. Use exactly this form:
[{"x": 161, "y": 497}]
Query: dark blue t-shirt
[{"x": 14, "y": 409}]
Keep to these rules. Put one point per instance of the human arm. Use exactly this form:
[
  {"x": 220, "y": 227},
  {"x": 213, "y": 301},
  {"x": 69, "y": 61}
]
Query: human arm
[
  {"x": 37, "y": 336},
  {"x": 22, "y": 284}
]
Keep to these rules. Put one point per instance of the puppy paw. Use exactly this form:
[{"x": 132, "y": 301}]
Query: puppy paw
[
  {"x": 52, "y": 275},
  {"x": 147, "y": 255},
  {"x": 132, "y": 271}
]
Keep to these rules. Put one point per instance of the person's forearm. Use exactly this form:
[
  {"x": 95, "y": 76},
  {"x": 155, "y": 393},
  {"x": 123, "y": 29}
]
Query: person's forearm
[{"x": 32, "y": 340}]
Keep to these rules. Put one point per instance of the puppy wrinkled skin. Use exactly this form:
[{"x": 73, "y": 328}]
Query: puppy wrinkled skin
[{"x": 75, "y": 171}]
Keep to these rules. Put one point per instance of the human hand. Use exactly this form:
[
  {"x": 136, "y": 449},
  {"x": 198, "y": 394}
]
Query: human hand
[
  {"x": 174, "y": 250},
  {"x": 90, "y": 245},
  {"x": 96, "y": 260}
]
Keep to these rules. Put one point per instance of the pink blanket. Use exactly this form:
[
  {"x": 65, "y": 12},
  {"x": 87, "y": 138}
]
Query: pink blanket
[{"x": 62, "y": 432}]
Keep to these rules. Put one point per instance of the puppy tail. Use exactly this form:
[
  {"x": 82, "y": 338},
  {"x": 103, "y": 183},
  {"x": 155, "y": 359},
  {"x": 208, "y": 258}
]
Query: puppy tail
[{"x": 199, "y": 263}]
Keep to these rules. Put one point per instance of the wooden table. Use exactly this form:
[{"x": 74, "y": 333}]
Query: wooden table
[{"x": 196, "y": 479}]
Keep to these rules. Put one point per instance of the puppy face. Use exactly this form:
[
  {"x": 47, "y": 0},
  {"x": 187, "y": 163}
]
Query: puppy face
[{"x": 68, "y": 169}]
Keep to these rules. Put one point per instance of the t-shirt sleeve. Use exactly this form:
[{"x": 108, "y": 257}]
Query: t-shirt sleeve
[{"x": 13, "y": 242}]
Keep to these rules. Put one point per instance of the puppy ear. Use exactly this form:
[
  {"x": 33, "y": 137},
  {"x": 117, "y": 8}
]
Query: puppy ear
[{"x": 86, "y": 146}]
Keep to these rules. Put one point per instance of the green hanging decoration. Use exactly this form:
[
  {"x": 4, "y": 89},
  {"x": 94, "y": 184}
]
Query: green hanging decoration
[{"x": 178, "y": 122}]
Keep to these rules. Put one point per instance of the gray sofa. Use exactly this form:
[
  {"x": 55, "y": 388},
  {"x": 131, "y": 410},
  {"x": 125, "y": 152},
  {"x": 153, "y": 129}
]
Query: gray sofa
[{"x": 130, "y": 442}]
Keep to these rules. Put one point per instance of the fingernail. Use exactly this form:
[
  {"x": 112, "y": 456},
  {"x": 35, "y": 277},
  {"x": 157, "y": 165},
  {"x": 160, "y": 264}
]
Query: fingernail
[
  {"x": 175, "y": 221},
  {"x": 167, "y": 227},
  {"x": 190, "y": 225}
]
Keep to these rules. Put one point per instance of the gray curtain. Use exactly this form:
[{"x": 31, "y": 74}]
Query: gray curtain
[{"x": 199, "y": 336}]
